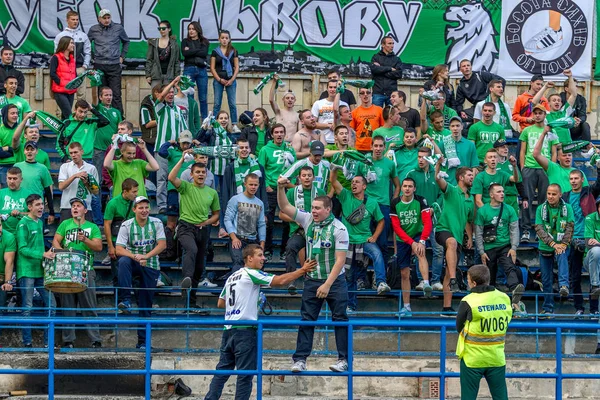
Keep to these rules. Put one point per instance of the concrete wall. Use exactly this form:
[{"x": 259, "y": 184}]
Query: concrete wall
[{"x": 306, "y": 87}]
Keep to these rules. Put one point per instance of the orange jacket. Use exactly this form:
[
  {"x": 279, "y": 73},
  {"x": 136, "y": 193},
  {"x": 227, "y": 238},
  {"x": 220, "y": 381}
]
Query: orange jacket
[{"x": 523, "y": 108}]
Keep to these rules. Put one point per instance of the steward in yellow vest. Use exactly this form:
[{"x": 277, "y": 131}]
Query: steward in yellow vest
[{"x": 482, "y": 320}]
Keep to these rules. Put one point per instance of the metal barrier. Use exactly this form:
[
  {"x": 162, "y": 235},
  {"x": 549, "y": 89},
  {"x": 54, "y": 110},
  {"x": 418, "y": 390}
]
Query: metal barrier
[{"x": 147, "y": 372}]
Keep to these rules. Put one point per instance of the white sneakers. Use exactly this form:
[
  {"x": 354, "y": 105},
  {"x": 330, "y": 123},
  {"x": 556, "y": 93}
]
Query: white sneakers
[
  {"x": 543, "y": 41},
  {"x": 339, "y": 366},
  {"x": 205, "y": 283}
]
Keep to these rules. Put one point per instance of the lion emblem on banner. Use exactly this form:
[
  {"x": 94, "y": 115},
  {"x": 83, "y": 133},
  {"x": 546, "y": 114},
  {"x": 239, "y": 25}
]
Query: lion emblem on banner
[{"x": 471, "y": 34}]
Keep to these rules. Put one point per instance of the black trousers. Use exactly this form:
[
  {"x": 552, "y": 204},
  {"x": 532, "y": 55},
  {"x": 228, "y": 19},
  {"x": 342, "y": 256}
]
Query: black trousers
[
  {"x": 65, "y": 103},
  {"x": 194, "y": 241},
  {"x": 498, "y": 258},
  {"x": 581, "y": 132},
  {"x": 270, "y": 214},
  {"x": 112, "y": 79}
]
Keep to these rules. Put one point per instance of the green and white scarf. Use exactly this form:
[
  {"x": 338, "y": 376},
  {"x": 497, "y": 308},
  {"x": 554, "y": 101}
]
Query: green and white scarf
[
  {"x": 218, "y": 165},
  {"x": 450, "y": 150},
  {"x": 299, "y": 196},
  {"x": 561, "y": 222},
  {"x": 574, "y": 146},
  {"x": 320, "y": 232},
  {"x": 358, "y": 83},
  {"x": 354, "y": 163},
  {"x": 254, "y": 168},
  {"x": 504, "y": 118},
  {"x": 228, "y": 152}
]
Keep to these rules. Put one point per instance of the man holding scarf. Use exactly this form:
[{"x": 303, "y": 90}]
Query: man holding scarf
[
  {"x": 458, "y": 151},
  {"x": 327, "y": 244},
  {"x": 554, "y": 224}
]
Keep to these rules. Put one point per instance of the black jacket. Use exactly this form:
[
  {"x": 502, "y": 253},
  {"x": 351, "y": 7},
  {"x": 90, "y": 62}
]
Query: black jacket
[
  {"x": 249, "y": 133},
  {"x": 580, "y": 106},
  {"x": 9, "y": 70},
  {"x": 196, "y": 55},
  {"x": 386, "y": 80},
  {"x": 475, "y": 88},
  {"x": 148, "y": 134}
]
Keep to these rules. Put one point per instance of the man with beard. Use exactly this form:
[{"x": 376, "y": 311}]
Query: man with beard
[{"x": 303, "y": 138}]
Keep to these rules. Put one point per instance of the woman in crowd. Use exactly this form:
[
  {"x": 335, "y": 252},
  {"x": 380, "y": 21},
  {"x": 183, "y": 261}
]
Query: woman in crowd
[
  {"x": 195, "y": 52},
  {"x": 224, "y": 68},
  {"x": 162, "y": 58},
  {"x": 259, "y": 133},
  {"x": 213, "y": 137},
  {"x": 440, "y": 80},
  {"x": 62, "y": 71}
]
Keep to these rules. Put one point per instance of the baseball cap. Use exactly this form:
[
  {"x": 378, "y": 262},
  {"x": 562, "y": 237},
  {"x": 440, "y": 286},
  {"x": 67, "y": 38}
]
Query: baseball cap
[
  {"x": 499, "y": 143},
  {"x": 539, "y": 107},
  {"x": 140, "y": 199},
  {"x": 537, "y": 77},
  {"x": 317, "y": 148},
  {"x": 103, "y": 12},
  {"x": 77, "y": 200},
  {"x": 456, "y": 117},
  {"x": 31, "y": 143},
  {"x": 186, "y": 136}
]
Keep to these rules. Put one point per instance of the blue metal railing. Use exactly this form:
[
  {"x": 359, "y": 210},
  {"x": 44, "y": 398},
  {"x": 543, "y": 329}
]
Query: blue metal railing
[{"x": 147, "y": 372}]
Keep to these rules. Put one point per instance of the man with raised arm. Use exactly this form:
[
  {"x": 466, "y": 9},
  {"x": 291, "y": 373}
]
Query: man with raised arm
[{"x": 286, "y": 115}]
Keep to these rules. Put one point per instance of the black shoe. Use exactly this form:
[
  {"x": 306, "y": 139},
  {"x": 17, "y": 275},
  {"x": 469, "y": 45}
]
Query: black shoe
[
  {"x": 210, "y": 254},
  {"x": 195, "y": 309},
  {"x": 186, "y": 283},
  {"x": 68, "y": 345},
  {"x": 448, "y": 312},
  {"x": 97, "y": 345},
  {"x": 292, "y": 288},
  {"x": 594, "y": 292},
  {"x": 182, "y": 389}
]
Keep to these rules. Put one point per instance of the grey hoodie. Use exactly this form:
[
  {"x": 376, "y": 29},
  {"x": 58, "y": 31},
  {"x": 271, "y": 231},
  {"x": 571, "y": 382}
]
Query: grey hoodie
[
  {"x": 83, "y": 48},
  {"x": 107, "y": 43}
]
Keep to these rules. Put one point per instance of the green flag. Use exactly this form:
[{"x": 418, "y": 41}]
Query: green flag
[
  {"x": 75, "y": 83},
  {"x": 50, "y": 121},
  {"x": 95, "y": 77}
]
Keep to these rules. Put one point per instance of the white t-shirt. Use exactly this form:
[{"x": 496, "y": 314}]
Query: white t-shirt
[
  {"x": 323, "y": 111},
  {"x": 69, "y": 169},
  {"x": 241, "y": 294}
]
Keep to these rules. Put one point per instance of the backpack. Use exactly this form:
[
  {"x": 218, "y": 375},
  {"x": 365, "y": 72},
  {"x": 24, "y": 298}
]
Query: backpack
[{"x": 392, "y": 274}]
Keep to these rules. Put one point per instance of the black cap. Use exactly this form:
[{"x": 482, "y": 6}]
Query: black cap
[
  {"x": 317, "y": 148},
  {"x": 499, "y": 143},
  {"x": 31, "y": 143},
  {"x": 537, "y": 77},
  {"x": 78, "y": 200}
]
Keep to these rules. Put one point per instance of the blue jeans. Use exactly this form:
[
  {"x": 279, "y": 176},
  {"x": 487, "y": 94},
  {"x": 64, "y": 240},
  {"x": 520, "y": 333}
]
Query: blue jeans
[
  {"x": 372, "y": 251},
  {"x": 547, "y": 267},
  {"x": 200, "y": 76},
  {"x": 26, "y": 286},
  {"x": 381, "y": 100},
  {"x": 218, "y": 89},
  {"x": 382, "y": 240},
  {"x": 592, "y": 263}
]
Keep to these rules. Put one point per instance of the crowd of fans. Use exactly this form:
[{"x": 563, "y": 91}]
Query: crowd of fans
[{"x": 344, "y": 177}]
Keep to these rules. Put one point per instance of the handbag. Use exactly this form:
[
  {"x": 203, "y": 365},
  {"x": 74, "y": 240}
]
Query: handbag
[
  {"x": 115, "y": 226},
  {"x": 359, "y": 214},
  {"x": 490, "y": 231}
]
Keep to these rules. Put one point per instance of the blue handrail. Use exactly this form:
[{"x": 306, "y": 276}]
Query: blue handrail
[{"x": 147, "y": 372}]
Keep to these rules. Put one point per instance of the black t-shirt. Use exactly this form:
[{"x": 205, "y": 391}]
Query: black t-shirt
[
  {"x": 347, "y": 97},
  {"x": 410, "y": 119},
  {"x": 219, "y": 63}
]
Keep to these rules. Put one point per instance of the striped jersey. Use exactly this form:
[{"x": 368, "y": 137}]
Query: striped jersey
[
  {"x": 326, "y": 259},
  {"x": 241, "y": 293},
  {"x": 321, "y": 172},
  {"x": 142, "y": 239},
  {"x": 170, "y": 122}
]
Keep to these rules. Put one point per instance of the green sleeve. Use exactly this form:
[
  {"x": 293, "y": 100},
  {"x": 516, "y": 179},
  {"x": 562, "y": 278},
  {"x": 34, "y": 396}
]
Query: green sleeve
[
  {"x": 143, "y": 165},
  {"x": 474, "y": 159},
  {"x": 375, "y": 210},
  {"x": 95, "y": 234},
  {"x": 512, "y": 217},
  {"x": 570, "y": 215},
  {"x": 109, "y": 212},
  {"x": 46, "y": 160},
  {"x": 538, "y": 216},
  {"x": 11, "y": 243},
  {"x": 61, "y": 230},
  {"x": 524, "y": 136},
  {"x": 193, "y": 116},
  {"x": 25, "y": 249},
  {"x": 215, "y": 206},
  {"x": 479, "y": 218},
  {"x": 262, "y": 157},
  {"x": 183, "y": 187},
  {"x": 589, "y": 227},
  {"x": 46, "y": 177},
  {"x": 472, "y": 132},
  {"x": 477, "y": 187},
  {"x": 501, "y": 131},
  {"x": 343, "y": 196},
  {"x": 393, "y": 173},
  {"x": 290, "y": 196}
]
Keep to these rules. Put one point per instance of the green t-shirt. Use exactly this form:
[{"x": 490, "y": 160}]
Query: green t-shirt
[
  {"x": 437, "y": 135},
  {"x": 12, "y": 200},
  {"x": 272, "y": 158},
  {"x": 135, "y": 170},
  {"x": 395, "y": 135},
  {"x": 592, "y": 226},
  {"x": 483, "y": 180},
  {"x": 488, "y": 215},
  {"x": 6, "y": 135},
  {"x": 30, "y": 253},
  {"x": 426, "y": 184},
  {"x": 41, "y": 156},
  {"x": 555, "y": 219},
  {"x": 120, "y": 208},
  {"x": 457, "y": 211},
  {"x": 8, "y": 244},
  {"x": 340, "y": 173},
  {"x": 69, "y": 229},
  {"x": 409, "y": 215},
  {"x": 83, "y": 133},
  {"x": 173, "y": 158},
  {"x": 36, "y": 177},
  {"x": 196, "y": 203},
  {"x": 22, "y": 105},
  {"x": 560, "y": 175},
  {"x": 260, "y": 143},
  {"x": 360, "y": 232},
  {"x": 485, "y": 136},
  {"x": 564, "y": 135},
  {"x": 530, "y": 136},
  {"x": 379, "y": 189},
  {"x": 306, "y": 205},
  {"x": 104, "y": 135},
  {"x": 406, "y": 160}
]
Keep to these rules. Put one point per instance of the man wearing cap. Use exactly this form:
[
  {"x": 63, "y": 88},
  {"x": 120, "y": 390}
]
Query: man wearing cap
[
  {"x": 141, "y": 239},
  {"x": 196, "y": 202},
  {"x": 74, "y": 181},
  {"x": 458, "y": 151},
  {"x": 315, "y": 160},
  {"x": 36, "y": 177},
  {"x": 523, "y": 109},
  {"x": 485, "y": 132},
  {"x": 172, "y": 151},
  {"x": 78, "y": 234},
  {"x": 533, "y": 174},
  {"x": 110, "y": 48}
]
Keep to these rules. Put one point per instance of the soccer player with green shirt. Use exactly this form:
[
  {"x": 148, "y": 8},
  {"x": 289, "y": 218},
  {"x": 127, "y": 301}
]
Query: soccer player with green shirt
[
  {"x": 533, "y": 175},
  {"x": 78, "y": 234},
  {"x": 557, "y": 172},
  {"x": 8, "y": 249},
  {"x": 104, "y": 134},
  {"x": 457, "y": 216},
  {"x": 11, "y": 97},
  {"x": 379, "y": 189},
  {"x": 491, "y": 175},
  {"x": 13, "y": 201},
  {"x": 554, "y": 224},
  {"x": 81, "y": 129},
  {"x": 327, "y": 244},
  {"x": 485, "y": 132},
  {"x": 560, "y": 110},
  {"x": 128, "y": 166},
  {"x": 30, "y": 253},
  {"x": 196, "y": 201}
]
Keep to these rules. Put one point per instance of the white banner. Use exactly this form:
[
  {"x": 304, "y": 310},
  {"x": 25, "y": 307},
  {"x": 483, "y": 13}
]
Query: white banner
[{"x": 546, "y": 37}]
